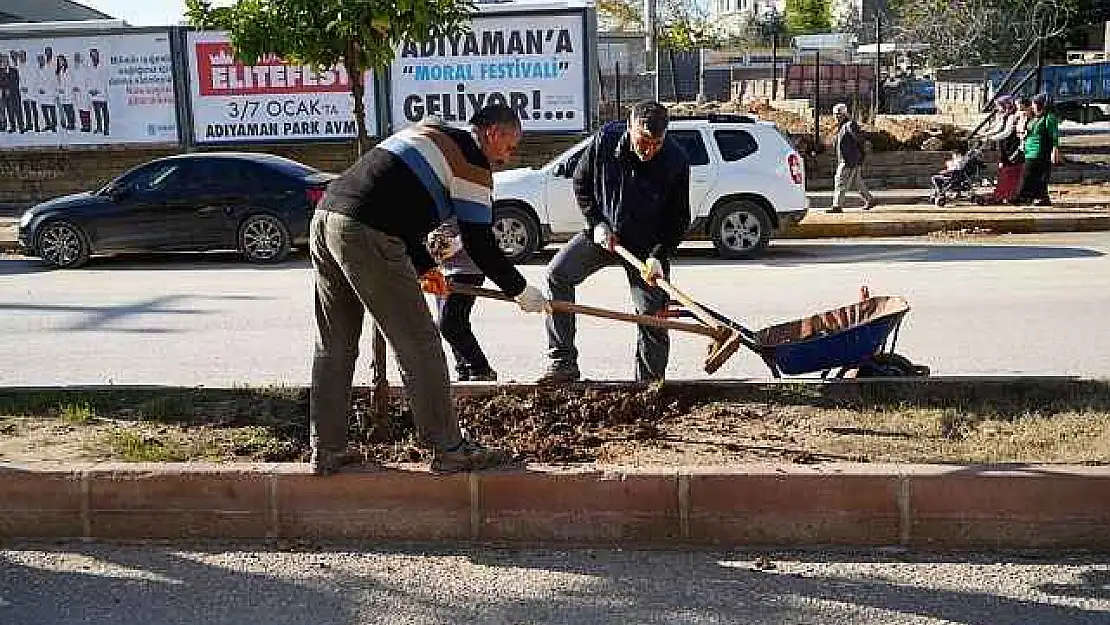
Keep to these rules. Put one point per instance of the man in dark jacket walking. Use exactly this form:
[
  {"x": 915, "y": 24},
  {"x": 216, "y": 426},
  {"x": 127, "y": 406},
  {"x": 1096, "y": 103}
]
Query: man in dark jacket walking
[
  {"x": 633, "y": 187},
  {"x": 849, "y": 161}
]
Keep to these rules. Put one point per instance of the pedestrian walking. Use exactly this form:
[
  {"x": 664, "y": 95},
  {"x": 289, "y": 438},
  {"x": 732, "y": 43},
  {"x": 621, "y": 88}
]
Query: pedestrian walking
[
  {"x": 632, "y": 184},
  {"x": 453, "y": 309},
  {"x": 367, "y": 242},
  {"x": 1041, "y": 145},
  {"x": 850, "y": 153},
  {"x": 1010, "y": 156}
]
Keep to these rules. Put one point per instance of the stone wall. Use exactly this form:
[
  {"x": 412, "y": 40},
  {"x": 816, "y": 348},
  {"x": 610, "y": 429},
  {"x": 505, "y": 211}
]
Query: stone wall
[
  {"x": 31, "y": 176},
  {"x": 27, "y": 177}
]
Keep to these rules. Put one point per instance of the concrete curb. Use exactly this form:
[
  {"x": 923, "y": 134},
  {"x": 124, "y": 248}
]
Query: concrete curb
[
  {"x": 817, "y": 225},
  {"x": 912, "y": 506}
]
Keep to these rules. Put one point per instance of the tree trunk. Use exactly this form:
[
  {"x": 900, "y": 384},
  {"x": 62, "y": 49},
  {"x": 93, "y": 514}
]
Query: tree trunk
[{"x": 378, "y": 352}]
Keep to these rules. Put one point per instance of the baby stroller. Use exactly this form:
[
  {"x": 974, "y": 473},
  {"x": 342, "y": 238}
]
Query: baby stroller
[{"x": 963, "y": 182}]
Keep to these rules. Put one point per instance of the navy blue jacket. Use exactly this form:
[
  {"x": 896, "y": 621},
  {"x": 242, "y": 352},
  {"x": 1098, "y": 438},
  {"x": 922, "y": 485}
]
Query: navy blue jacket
[{"x": 647, "y": 204}]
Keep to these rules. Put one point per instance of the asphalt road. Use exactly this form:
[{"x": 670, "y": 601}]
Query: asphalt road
[
  {"x": 244, "y": 585},
  {"x": 1031, "y": 305}
]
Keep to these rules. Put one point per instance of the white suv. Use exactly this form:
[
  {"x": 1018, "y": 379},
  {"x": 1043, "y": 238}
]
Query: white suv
[{"x": 746, "y": 181}]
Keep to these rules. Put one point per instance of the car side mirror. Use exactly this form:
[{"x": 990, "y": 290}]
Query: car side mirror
[{"x": 117, "y": 194}]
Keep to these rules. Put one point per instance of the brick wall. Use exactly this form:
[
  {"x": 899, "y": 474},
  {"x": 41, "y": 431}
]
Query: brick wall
[{"x": 30, "y": 176}]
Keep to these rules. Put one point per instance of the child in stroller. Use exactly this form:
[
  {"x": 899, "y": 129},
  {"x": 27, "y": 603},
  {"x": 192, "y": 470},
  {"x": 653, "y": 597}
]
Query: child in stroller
[{"x": 960, "y": 177}]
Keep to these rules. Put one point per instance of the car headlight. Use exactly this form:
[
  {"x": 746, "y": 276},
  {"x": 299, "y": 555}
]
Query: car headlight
[{"x": 25, "y": 219}]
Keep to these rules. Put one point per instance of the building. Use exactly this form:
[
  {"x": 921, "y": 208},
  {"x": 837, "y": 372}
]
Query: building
[{"x": 23, "y": 11}]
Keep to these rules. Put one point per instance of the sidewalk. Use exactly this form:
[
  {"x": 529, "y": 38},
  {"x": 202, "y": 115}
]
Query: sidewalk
[
  {"x": 901, "y": 212},
  {"x": 909, "y": 212}
]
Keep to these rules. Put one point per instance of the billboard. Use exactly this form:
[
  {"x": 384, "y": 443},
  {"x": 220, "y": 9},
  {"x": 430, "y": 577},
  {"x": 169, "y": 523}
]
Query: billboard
[
  {"x": 534, "y": 63},
  {"x": 87, "y": 90},
  {"x": 273, "y": 100}
]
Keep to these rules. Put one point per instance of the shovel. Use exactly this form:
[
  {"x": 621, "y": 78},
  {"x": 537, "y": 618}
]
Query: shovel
[{"x": 725, "y": 340}]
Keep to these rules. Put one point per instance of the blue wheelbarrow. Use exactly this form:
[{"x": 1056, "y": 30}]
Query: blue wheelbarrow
[{"x": 857, "y": 340}]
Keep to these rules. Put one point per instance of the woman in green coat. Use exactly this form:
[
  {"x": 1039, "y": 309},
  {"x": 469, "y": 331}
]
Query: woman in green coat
[{"x": 1041, "y": 142}]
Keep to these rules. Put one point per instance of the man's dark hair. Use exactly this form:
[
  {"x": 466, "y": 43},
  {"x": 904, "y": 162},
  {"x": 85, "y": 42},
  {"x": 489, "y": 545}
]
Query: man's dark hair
[
  {"x": 652, "y": 115},
  {"x": 495, "y": 115}
]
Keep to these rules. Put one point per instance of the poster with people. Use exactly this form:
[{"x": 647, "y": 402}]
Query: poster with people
[
  {"x": 533, "y": 63},
  {"x": 272, "y": 100},
  {"x": 87, "y": 90}
]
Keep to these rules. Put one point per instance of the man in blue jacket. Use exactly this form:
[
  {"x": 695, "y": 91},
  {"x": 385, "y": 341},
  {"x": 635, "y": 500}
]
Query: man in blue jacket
[{"x": 633, "y": 187}]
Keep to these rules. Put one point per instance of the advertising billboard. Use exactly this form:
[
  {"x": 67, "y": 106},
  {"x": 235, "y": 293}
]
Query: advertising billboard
[
  {"x": 534, "y": 63},
  {"x": 270, "y": 101},
  {"x": 87, "y": 90}
]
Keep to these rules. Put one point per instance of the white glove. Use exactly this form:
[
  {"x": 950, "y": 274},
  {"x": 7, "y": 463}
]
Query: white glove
[
  {"x": 531, "y": 300},
  {"x": 603, "y": 236},
  {"x": 653, "y": 269}
]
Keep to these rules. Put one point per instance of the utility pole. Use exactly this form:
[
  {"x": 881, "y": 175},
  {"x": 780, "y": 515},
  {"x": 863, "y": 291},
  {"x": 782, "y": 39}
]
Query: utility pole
[
  {"x": 817, "y": 101},
  {"x": 651, "y": 43},
  {"x": 774, "y": 54},
  {"x": 1038, "y": 87},
  {"x": 877, "y": 103}
]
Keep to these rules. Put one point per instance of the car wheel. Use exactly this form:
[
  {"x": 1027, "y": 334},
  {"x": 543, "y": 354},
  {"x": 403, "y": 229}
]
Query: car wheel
[
  {"x": 264, "y": 239},
  {"x": 516, "y": 233},
  {"x": 740, "y": 229},
  {"x": 62, "y": 244}
]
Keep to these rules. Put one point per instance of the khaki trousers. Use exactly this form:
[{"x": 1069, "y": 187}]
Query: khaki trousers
[{"x": 358, "y": 269}]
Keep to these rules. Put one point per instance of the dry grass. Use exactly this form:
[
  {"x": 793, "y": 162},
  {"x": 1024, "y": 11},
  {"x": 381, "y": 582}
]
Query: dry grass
[{"x": 1056, "y": 421}]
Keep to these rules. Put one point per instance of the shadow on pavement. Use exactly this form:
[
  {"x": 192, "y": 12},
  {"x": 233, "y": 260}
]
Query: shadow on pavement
[
  {"x": 149, "y": 584},
  {"x": 100, "y": 318},
  {"x": 753, "y": 587}
]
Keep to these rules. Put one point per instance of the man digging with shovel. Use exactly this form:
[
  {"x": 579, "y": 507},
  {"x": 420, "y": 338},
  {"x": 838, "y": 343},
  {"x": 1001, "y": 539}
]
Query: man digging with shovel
[
  {"x": 633, "y": 187},
  {"x": 367, "y": 241}
]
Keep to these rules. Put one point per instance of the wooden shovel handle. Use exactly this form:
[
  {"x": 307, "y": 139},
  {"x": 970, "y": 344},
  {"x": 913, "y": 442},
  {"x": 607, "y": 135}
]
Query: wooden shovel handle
[
  {"x": 671, "y": 289},
  {"x": 604, "y": 313}
]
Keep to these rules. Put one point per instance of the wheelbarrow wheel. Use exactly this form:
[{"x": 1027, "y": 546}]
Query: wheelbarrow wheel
[{"x": 890, "y": 365}]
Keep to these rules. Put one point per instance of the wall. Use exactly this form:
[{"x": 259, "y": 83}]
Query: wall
[
  {"x": 28, "y": 177},
  {"x": 31, "y": 176}
]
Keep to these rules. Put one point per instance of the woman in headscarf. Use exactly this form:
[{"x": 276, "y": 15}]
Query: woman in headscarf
[
  {"x": 1040, "y": 146},
  {"x": 1010, "y": 154}
]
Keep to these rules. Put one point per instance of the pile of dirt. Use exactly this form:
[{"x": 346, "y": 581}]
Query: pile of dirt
[
  {"x": 886, "y": 135},
  {"x": 561, "y": 424}
]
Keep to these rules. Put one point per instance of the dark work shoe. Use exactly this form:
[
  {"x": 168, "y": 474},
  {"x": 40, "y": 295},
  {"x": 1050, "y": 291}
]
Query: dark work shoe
[
  {"x": 468, "y": 455},
  {"x": 489, "y": 375},
  {"x": 834, "y": 210},
  {"x": 330, "y": 462},
  {"x": 556, "y": 375}
]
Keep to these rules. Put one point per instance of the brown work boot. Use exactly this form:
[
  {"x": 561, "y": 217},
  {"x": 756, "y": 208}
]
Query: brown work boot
[
  {"x": 468, "y": 455},
  {"x": 559, "y": 375}
]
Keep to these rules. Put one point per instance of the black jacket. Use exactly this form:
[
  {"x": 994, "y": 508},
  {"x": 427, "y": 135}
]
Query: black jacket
[
  {"x": 647, "y": 204},
  {"x": 849, "y": 143}
]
